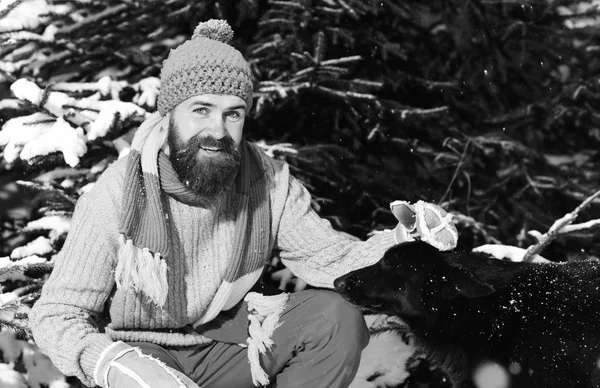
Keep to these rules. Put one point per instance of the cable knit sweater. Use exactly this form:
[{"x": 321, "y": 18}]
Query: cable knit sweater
[{"x": 82, "y": 287}]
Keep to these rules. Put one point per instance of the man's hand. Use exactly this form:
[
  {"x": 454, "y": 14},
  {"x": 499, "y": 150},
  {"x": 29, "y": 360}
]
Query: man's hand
[
  {"x": 124, "y": 366},
  {"x": 426, "y": 222},
  {"x": 508, "y": 252}
]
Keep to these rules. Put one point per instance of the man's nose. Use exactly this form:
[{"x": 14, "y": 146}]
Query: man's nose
[{"x": 217, "y": 127}]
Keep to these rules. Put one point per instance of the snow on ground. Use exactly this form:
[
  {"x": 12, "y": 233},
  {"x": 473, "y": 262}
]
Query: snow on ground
[{"x": 383, "y": 362}]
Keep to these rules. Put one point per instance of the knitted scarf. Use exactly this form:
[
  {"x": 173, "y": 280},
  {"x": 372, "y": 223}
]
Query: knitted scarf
[{"x": 144, "y": 223}]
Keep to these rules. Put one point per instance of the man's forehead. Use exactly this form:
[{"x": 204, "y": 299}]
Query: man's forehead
[{"x": 223, "y": 101}]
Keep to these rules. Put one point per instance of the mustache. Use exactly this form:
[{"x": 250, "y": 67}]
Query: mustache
[{"x": 225, "y": 144}]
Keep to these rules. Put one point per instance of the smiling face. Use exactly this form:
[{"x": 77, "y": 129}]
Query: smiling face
[
  {"x": 210, "y": 115},
  {"x": 205, "y": 133}
]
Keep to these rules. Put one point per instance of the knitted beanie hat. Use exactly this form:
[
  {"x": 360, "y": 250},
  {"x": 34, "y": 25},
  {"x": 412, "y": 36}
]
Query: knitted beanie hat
[{"x": 204, "y": 64}]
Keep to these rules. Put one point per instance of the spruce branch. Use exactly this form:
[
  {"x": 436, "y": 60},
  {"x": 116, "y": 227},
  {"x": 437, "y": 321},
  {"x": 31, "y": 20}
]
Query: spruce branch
[
  {"x": 49, "y": 189},
  {"x": 367, "y": 83},
  {"x": 9, "y": 7},
  {"x": 14, "y": 37},
  {"x": 276, "y": 22},
  {"x": 349, "y": 9},
  {"x": 18, "y": 328},
  {"x": 574, "y": 228},
  {"x": 558, "y": 226},
  {"x": 92, "y": 19},
  {"x": 404, "y": 113},
  {"x": 459, "y": 166},
  {"x": 336, "y": 12},
  {"x": 346, "y": 95},
  {"x": 289, "y": 4},
  {"x": 274, "y": 149},
  {"x": 319, "y": 47},
  {"x": 29, "y": 267}
]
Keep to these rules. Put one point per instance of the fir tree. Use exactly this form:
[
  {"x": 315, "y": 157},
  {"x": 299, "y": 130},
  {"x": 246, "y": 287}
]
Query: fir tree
[{"x": 486, "y": 107}]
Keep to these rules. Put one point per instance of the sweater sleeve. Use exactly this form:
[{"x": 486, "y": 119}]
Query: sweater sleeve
[
  {"x": 308, "y": 244},
  {"x": 62, "y": 320}
]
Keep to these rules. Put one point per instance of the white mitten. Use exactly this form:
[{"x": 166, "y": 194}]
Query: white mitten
[
  {"x": 124, "y": 366},
  {"x": 426, "y": 222}
]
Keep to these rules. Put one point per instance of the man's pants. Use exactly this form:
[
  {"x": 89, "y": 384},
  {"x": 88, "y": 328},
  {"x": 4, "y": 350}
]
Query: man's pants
[{"x": 318, "y": 344}]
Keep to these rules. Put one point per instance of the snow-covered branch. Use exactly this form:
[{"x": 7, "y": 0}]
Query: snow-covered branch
[
  {"x": 559, "y": 228},
  {"x": 18, "y": 269},
  {"x": 66, "y": 124}
]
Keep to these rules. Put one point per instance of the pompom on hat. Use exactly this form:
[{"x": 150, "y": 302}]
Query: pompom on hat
[{"x": 205, "y": 64}]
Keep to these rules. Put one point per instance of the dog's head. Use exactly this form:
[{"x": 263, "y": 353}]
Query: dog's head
[{"x": 408, "y": 280}]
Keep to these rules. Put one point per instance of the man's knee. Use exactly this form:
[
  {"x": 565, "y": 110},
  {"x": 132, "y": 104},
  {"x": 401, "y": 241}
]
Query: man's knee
[{"x": 346, "y": 320}]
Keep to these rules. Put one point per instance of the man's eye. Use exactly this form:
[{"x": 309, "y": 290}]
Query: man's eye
[
  {"x": 233, "y": 116},
  {"x": 202, "y": 111}
]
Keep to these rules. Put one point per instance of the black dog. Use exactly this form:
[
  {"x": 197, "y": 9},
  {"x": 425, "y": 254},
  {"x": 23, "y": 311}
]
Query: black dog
[{"x": 540, "y": 321}]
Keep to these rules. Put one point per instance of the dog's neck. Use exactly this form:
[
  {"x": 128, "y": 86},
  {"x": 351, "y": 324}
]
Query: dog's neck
[{"x": 448, "y": 357}]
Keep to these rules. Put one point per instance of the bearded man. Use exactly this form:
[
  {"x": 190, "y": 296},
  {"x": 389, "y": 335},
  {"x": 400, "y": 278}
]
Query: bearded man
[{"x": 151, "y": 288}]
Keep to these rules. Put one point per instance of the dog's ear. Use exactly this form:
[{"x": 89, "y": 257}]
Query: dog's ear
[{"x": 460, "y": 282}]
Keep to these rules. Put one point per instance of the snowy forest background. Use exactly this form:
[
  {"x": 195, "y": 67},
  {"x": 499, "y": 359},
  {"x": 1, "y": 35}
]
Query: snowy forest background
[{"x": 490, "y": 108}]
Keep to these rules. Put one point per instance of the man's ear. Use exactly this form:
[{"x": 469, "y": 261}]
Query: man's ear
[{"x": 461, "y": 282}]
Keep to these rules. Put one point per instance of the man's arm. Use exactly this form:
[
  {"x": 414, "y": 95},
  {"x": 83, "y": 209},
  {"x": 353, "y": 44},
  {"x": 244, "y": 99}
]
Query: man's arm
[
  {"x": 62, "y": 321},
  {"x": 309, "y": 245}
]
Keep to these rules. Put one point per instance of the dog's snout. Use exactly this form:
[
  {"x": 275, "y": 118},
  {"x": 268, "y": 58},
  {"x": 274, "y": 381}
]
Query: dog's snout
[{"x": 339, "y": 283}]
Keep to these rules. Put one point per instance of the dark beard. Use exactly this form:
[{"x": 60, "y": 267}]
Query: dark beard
[{"x": 206, "y": 177}]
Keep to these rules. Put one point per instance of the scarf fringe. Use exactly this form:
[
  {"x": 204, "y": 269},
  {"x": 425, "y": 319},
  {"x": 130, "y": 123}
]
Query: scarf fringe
[
  {"x": 264, "y": 319},
  {"x": 141, "y": 270}
]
